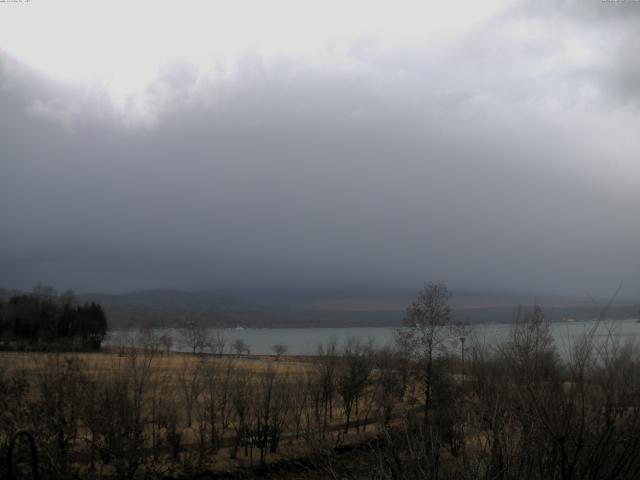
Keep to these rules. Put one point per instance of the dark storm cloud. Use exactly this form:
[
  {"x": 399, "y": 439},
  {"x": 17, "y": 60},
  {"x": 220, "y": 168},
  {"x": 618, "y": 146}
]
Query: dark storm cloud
[{"x": 485, "y": 164}]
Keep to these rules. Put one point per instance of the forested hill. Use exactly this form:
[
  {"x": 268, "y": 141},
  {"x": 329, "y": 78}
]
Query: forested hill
[{"x": 282, "y": 308}]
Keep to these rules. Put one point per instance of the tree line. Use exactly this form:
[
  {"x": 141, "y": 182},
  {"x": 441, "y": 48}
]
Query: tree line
[{"x": 43, "y": 320}]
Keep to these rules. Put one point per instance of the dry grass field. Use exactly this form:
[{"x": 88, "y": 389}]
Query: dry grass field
[
  {"x": 176, "y": 412},
  {"x": 29, "y": 364}
]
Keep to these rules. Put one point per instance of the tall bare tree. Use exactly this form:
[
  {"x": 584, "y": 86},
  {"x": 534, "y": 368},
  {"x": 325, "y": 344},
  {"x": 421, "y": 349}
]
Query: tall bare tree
[
  {"x": 353, "y": 377},
  {"x": 217, "y": 341},
  {"x": 427, "y": 332}
]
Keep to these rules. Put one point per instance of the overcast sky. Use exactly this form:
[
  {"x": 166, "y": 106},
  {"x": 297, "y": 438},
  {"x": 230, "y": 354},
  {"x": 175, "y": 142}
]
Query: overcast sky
[{"x": 199, "y": 145}]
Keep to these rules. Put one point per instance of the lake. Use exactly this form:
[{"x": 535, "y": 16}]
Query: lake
[{"x": 305, "y": 341}]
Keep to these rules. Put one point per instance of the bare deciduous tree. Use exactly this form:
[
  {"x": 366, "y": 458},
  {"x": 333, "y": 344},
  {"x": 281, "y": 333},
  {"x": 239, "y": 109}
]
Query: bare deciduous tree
[
  {"x": 279, "y": 349},
  {"x": 426, "y": 333},
  {"x": 195, "y": 337},
  {"x": 190, "y": 384},
  {"x": 388, "y": 383},
  {"x": 240, "y": 347},
  {"x": 327, "y": 363},
  {"x": 217, "y": 341},
  {"x": 353, "y": 377},
  {"x": 166, "y": 341}
]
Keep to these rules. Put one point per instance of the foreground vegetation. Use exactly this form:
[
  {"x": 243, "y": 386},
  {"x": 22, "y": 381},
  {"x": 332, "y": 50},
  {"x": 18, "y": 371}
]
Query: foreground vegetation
[
  {"x": 440, "y": 405},
  {"x": 140, "y": 411}
]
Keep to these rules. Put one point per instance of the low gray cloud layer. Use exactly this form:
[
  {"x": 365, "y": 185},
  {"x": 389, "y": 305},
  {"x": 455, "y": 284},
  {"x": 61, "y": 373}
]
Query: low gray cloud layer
[{"x": 505, "y": 157}]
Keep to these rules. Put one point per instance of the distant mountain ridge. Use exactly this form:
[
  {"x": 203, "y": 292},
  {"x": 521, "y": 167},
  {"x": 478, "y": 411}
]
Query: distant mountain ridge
[{"x": 291, "y": 308}]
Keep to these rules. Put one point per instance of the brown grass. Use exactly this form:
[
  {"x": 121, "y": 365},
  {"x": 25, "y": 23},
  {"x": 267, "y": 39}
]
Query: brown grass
[{"x": 28, "y": 364}]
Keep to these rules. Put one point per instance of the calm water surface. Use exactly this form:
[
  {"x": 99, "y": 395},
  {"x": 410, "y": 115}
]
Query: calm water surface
[{"x": 305, "y": 341}]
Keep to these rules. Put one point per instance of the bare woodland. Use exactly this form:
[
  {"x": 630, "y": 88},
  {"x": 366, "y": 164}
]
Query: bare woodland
[{"x": 439, "y": 404}]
